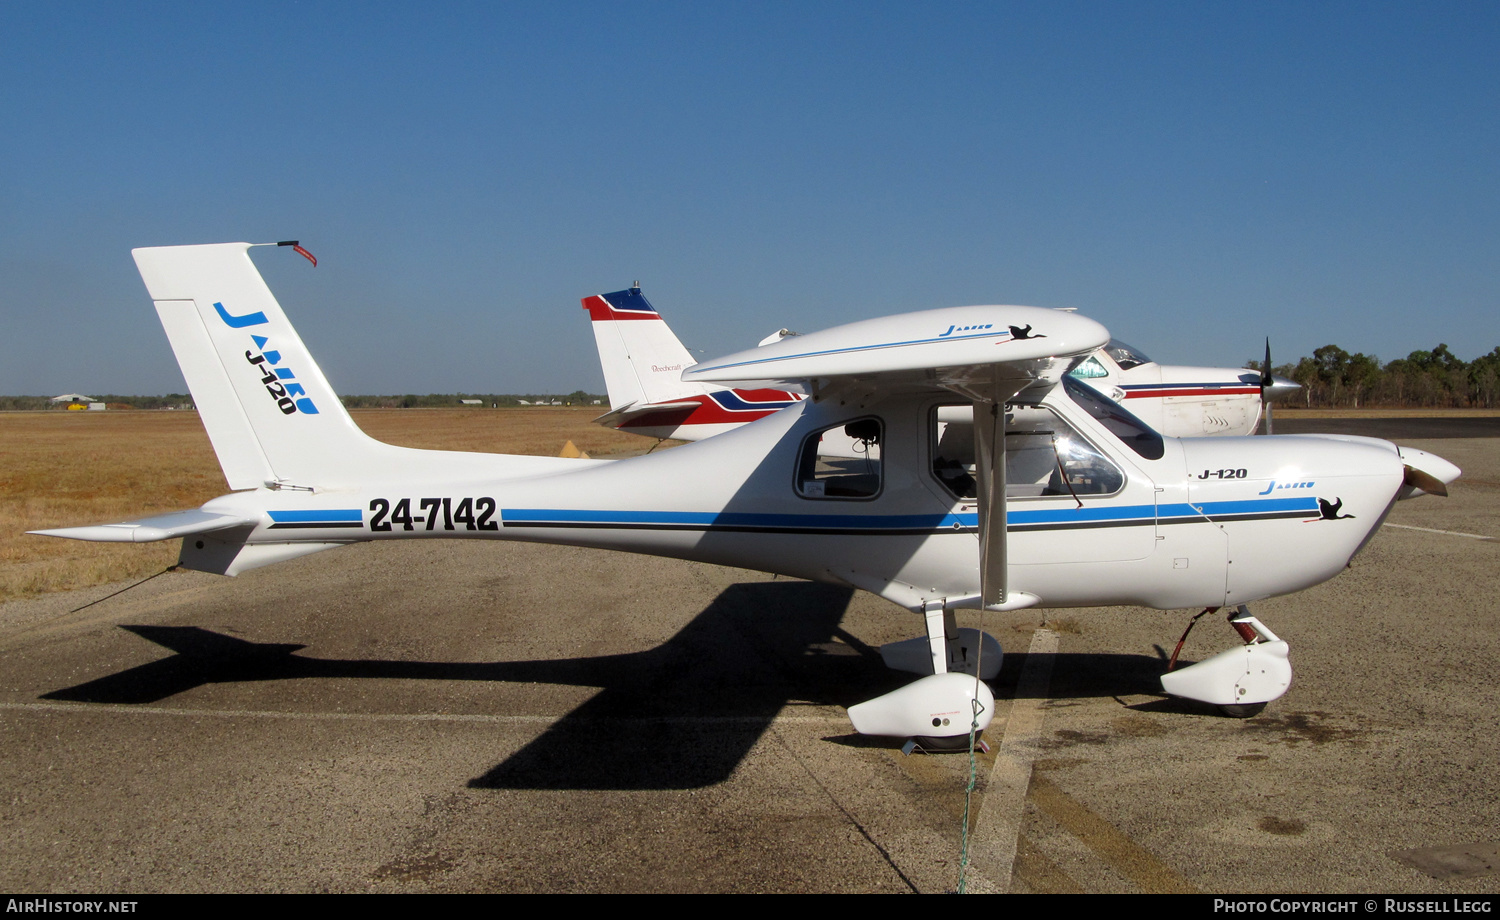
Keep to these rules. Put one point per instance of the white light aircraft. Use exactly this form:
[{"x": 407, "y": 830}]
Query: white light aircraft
[
  {"x": 988, "y": 478},
  {"x": 643, "y": 362}
]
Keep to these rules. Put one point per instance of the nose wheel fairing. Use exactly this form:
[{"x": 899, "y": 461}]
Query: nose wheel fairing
[
  {"x": 937, "y": 706},
  {"x": 947, "y": 704},
  {"x": 1239, "y": 680}
]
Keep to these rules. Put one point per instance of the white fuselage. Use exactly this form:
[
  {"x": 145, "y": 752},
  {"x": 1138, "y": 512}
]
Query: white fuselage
[{"x": 1207, "y": 523}]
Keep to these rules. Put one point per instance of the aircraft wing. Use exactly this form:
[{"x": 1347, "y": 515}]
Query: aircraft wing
[
  {"x": 950, "y": 348},
  {"x": 986, "y": 353},
  {"x": 147, "y": 530}
]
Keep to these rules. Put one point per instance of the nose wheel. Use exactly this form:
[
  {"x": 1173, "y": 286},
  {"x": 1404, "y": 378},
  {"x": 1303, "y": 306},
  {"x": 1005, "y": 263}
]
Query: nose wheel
[{"x": 1242, "y": 710}]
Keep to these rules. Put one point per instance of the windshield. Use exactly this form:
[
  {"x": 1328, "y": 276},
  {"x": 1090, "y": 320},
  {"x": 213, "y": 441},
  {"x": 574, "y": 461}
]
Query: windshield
[
  {"x": 1124, "y": 355},
  {"x": 1089, "y": 370},
  {"x": 1135, "y": 434}
]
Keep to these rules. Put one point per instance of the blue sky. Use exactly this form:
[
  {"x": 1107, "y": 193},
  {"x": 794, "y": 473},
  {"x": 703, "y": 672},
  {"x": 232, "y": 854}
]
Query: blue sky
[{"x": 1194, "y": 175}]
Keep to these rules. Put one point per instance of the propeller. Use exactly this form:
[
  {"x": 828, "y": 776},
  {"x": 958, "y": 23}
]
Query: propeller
[
  {"x": 1421, "y": 479},
  {"x": 1266, "y": 384},
  {"x": 1427, "y": 473}
]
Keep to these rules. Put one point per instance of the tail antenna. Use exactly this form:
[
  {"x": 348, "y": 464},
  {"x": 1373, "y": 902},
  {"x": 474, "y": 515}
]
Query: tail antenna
[{"x": 300, "y": 251}]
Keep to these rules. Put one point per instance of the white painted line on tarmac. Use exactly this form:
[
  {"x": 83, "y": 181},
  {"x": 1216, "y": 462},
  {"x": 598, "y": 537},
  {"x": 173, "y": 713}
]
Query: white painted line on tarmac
[
  {"x": 1451, "y": 533},
  {"x": 997, "y": 831},
  {"x": 99, "y": 708}
]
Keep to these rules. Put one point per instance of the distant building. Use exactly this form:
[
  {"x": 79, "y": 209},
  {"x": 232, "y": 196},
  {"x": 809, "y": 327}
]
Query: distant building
[
  {"x": 72, "y": 398},
  {"x": 472, "y": 402}
]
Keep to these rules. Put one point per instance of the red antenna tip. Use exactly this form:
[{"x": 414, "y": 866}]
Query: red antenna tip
[{"x": 304, "y": 253}]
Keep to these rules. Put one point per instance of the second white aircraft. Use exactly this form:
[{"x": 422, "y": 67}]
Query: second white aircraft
[{"x": 643, "y": 361}]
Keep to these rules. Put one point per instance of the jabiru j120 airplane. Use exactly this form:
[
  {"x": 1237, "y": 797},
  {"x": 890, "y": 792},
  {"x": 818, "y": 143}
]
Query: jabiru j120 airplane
[
  {"x": 987, "y": 477},
  {"x": 643, "y": 362}
]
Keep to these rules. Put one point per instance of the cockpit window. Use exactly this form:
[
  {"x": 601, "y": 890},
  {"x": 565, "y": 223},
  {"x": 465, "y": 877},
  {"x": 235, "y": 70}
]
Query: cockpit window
[
  {"x": 1124, "y": 355},
  {"x": 842, "y": 461},
  {"x": 1044, "y": 456},
  {"x": 1089, "y": 369},
  {"x": 1133, "y": 432}
]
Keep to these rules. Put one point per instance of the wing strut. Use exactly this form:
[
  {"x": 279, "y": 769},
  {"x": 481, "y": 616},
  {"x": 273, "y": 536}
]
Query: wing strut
[
  {"x": 989, "y": 441},
  {"x": 990, "y": 396}
]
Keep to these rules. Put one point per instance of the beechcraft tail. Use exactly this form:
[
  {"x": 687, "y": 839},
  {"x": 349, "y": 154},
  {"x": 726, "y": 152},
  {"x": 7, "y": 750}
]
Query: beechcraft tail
[{"x": 643, "y": 363}]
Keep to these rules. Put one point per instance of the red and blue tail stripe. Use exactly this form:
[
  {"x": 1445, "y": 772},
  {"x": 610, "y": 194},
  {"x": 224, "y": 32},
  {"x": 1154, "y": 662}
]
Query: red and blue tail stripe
[{"x": 628, "y": 304}]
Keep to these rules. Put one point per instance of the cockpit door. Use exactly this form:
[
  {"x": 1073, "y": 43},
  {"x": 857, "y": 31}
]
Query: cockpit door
[{"x": 1068, "y": 498}]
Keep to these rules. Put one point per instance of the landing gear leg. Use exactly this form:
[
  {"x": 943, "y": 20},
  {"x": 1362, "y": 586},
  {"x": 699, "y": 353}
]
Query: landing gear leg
[
  {"x": 966, "y": 650},
  {"x": 1252, "y": 631},
  {"x": 1240, "y": 681}
]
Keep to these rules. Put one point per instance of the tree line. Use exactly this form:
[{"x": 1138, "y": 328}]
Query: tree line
[
  {"x": 486, "y": 400},
  {"x": 407, "y": 401},
  {"x": 1435, "y": 379}
]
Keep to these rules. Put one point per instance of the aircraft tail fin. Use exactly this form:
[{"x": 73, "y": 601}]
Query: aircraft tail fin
[
  {"x": 268, "y": 409},
  {"x": 642, "y": 359}
]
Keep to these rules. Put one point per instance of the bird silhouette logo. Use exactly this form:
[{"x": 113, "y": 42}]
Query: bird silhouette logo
[
  {"x": 1020, "y": 333},
  {"x": 1329, "y": 511}
]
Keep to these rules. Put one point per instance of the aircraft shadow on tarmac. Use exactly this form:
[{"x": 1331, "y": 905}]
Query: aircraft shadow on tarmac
[{"x": 679, "y": 716}]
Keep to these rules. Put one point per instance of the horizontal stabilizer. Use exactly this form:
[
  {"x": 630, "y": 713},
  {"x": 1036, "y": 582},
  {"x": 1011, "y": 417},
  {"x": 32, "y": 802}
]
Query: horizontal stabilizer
[
  {"x": 151, "y": 529},
  {"x": 614, "y": 418}
]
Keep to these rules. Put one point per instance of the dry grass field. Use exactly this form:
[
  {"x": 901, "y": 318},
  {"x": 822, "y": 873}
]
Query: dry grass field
[{"x": 60, "y": 469}]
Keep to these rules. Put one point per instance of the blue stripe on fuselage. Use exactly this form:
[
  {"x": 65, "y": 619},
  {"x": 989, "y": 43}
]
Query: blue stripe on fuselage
[
  {"x": 1039, "y": 518},
  {"x": 306, "y": 517}
]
